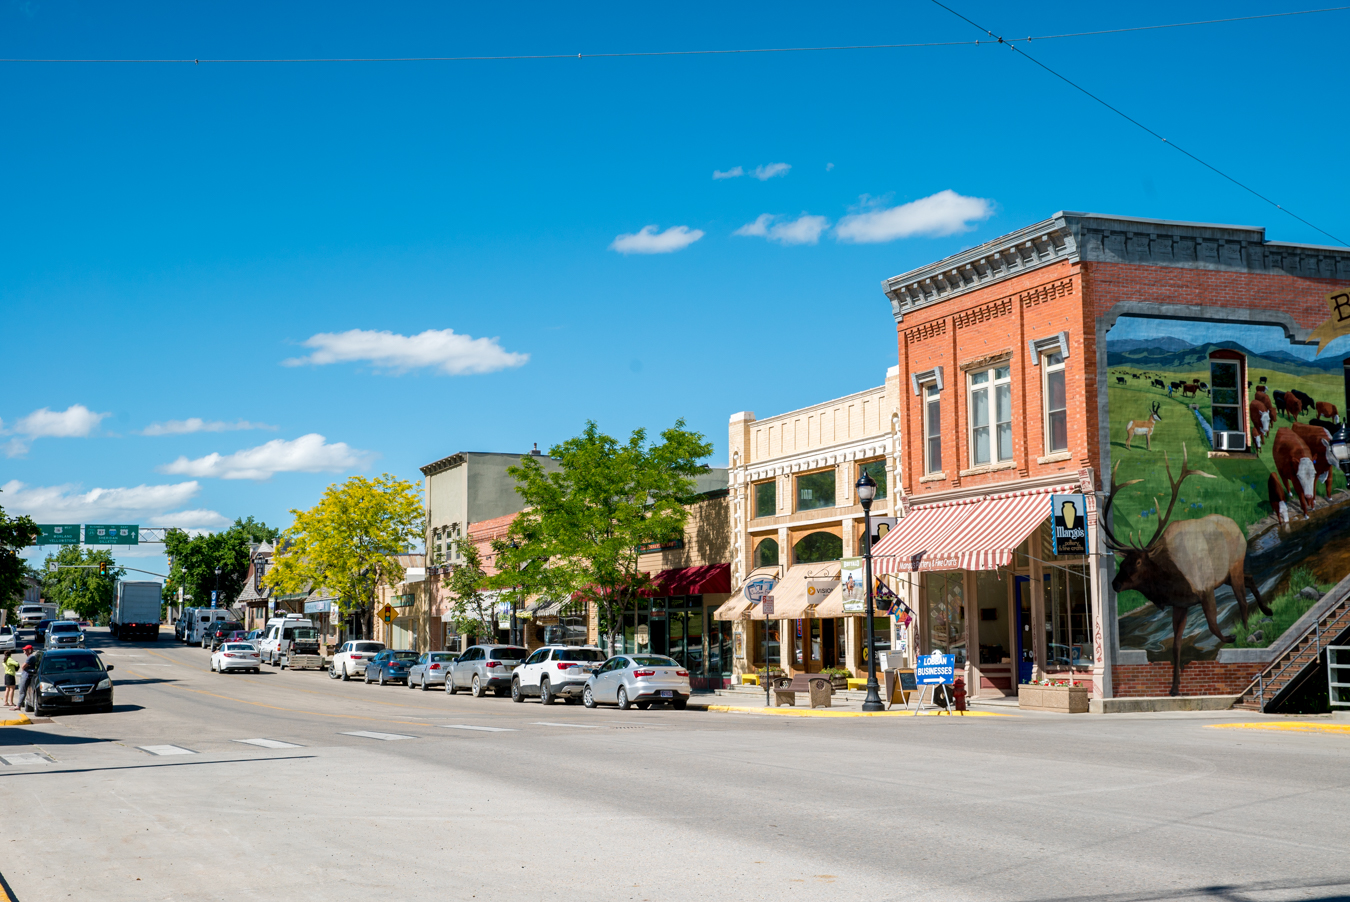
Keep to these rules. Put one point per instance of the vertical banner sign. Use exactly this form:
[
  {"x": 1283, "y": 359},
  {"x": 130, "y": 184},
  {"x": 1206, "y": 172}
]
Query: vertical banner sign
[
  {"x": 59, "y": 534},
  {"x": 213, "y": 598},
  {"x": 852, "y": 585},
  {"x": 1068, "y": 524}
]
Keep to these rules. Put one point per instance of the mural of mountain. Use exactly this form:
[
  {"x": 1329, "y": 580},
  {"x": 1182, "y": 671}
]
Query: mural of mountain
[
  {"x": 1173, "y": 353},
  {"x": 1125, "y": 345}
]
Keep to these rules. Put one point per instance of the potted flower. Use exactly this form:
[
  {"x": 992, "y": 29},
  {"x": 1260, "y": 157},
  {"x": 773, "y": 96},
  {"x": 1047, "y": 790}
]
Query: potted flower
[
  {"x": 1062, "y": 696},
  {"x": 838, "y": 677}
]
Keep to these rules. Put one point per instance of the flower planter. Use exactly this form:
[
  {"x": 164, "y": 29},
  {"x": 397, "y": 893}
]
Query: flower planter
[
  {"x": 839, "y": 683},
  {"x": 1060, "y": 699}
]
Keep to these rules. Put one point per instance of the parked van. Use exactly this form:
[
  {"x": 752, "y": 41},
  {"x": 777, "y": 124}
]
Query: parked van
[
  {"x": 198, "y": 618},
  {"x": 282, "y": 629}
]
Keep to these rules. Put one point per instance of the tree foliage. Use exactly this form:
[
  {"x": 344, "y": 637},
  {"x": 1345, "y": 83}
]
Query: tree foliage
[
  {"x": 16, "y": 534},
  {"x": 81, "y": 589},
  {"x": 589, "y": 519},
  {"x": 348, "y": 542},
  {"x": 193, "y": 561},
  {"x": 471, "y": 610}
]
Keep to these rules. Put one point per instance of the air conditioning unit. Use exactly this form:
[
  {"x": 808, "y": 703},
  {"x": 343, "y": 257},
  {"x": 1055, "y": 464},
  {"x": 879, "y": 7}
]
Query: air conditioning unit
[{"x": 1230, "y": 441}]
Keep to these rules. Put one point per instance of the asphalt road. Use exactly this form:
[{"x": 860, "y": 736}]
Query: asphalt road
[{"x": 565, "y": 803}]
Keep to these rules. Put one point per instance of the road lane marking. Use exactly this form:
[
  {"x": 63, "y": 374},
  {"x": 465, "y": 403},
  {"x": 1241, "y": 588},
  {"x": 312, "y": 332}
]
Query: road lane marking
[
  {"x": 165, "y": 750},
  {"x": 579, "y": 726},
  {"x": 467, "y": 726},
  {"x": 269, "y": 743},
  {"x": 25, "y": 758},
  {"x": 383, "y": 737},
  {"x": 1293, "y": 726}
]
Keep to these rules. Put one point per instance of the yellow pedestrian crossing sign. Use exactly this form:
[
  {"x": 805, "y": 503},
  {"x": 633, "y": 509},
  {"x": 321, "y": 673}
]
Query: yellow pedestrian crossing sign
[{"x": 388, "y": 614}]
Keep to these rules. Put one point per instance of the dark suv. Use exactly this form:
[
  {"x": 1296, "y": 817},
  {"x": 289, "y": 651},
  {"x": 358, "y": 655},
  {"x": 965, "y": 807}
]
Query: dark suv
[
  {"x": 69, "y": 679},
  {"x": 216, "y": 634}
]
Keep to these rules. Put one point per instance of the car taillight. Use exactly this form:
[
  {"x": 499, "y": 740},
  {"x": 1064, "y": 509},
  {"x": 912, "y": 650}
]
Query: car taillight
[
  {"x": 567, "y": 665},
  {"x": 230, "y": 654},
  {"x": 491, "y": 664},
  {"x": 643, "y": 673},
  {"x": 356, "y": 657},
  {"x": 434, "y": 667},
  {"x": 682, "y": 673}
]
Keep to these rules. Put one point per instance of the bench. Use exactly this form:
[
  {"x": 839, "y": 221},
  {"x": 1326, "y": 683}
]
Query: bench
[{"x": 816, "y": 685}]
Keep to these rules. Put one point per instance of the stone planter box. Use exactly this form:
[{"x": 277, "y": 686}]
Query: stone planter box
[
  {"x": 839, "y": 683},
  {"x": 1060, "y": 699}
]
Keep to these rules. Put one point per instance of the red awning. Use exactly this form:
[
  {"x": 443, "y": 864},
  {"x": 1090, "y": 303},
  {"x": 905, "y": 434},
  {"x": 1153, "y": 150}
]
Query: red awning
[
  {"x": 985, "y": 540},
  {"x": 711, "y": 579},
  {"x": 910, "y": 546}
]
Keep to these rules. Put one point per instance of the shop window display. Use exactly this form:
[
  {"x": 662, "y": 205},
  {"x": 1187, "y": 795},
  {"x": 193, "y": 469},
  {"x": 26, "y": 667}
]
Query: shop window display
[
  {"x": 945, "y": 614},
  {"x": 1068, "y": 619}
]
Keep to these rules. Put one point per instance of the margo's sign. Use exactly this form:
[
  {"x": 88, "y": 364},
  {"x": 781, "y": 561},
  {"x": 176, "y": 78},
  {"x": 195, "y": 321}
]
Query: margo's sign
[{"x": 1068, "y": 522}]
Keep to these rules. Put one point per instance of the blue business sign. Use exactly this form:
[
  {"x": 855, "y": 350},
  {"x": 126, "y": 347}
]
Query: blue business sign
[
  {"x": 1068, "y": 521},
  {"x": 756, "y": 589},
  {"x": 935, "y": 670}
]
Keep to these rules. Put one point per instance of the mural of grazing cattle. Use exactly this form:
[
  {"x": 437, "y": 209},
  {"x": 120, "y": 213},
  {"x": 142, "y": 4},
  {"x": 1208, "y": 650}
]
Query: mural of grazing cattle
[
  {"x": 1184, "y": 562},
  {"x": 1134, "y": 375},
  {"x": 1260, "y": 415},
  {"x": 1279, "y": 401},
  {"x": 1277, "y": 503},
  {"x": 1318, "y": 441},
  {"x": 1144, "y": 427},
  {"x": 1120, "y": 380},
  {"x": 1292, "y": 405},
  {"x": 1327, "y": 411},
  {"x": 1260, "y": 395},
  {"x": 1158, "y": 383},
  {"x": 1294, "y": 464},
  {"x": 1305, "y": 399},
  {"x": 1189, "y": 389}
]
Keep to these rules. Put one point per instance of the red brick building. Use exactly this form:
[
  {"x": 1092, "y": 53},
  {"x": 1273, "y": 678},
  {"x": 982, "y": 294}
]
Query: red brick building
[{"x": 1033, "y": 364}]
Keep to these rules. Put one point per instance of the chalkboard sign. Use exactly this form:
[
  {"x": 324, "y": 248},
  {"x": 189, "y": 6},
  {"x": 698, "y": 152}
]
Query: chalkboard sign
[{"x": 907, "y": 682}]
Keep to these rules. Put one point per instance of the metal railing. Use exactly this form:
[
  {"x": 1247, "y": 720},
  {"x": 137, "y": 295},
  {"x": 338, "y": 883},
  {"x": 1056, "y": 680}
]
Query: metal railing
[
  {"x": 1338, "y": 675},
  {"x": 1296, "y": 655}
]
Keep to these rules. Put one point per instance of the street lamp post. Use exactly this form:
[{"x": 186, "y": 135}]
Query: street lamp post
[
  {"x": 867, "y": 490},
  {"x": 216, "y": 596}
]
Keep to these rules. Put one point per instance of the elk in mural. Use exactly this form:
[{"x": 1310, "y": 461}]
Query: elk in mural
[
  {"x": 1184, "y": 562},
  {"x": 1144, "y": 427}
]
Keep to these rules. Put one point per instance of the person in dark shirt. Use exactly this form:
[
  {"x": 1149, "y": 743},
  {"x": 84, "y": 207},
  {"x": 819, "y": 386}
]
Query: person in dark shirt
[{"x": 26, "y": 674}]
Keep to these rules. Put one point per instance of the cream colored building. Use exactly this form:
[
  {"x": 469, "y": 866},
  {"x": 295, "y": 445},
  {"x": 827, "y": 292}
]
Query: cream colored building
[{"x": 795, "y": 515}]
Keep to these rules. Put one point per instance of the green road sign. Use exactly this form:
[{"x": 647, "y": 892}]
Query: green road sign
[
  {"x": 111, "y": 534},
  {"x": 59, "y": 534}
]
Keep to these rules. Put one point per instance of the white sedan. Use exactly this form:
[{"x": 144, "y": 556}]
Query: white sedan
[
  {"x": 236, "y": 656},
  {"x": 638, "y": 681}
]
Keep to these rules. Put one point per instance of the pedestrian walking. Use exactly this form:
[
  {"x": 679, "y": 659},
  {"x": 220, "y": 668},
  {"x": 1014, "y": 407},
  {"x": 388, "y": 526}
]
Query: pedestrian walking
[
  {"x": 26, "y": 674},
  {"x": 11, "y": 678}
]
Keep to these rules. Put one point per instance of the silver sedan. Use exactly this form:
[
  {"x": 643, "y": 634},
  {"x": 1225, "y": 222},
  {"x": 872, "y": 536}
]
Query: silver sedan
[
  {"x": 430, "y": 669},
  {"x": 638, "y": 681}
]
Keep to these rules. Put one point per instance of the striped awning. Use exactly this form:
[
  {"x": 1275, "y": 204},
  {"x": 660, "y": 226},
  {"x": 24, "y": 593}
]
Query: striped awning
[{"x": 912, "y": 544}]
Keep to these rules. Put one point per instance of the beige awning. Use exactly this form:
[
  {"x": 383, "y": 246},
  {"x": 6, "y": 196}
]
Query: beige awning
[
  {"x": 798, "y": 590},
  {"x": 732, "y": 608}
]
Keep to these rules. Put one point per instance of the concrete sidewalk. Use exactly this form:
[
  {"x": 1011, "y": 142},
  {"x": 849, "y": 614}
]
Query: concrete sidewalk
[{"x": 848, "y": 703}]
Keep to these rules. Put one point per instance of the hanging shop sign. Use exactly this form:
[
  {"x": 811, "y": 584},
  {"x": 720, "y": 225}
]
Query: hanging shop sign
[
  {"x": 1068, "y": 531},
  {"x": 757, "y": 588}
]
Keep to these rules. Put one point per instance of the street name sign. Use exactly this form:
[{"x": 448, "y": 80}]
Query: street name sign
[
  {"x": 59, "y": 534},
  {"x": 111, "y": 534}
]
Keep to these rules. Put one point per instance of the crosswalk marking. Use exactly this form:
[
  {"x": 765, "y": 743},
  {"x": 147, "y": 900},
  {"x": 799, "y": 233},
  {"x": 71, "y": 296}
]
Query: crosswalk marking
[
  {"x": 23, "y": 758},
  {"x": 579, "y": 726},
  {"x": 269, "y": 743},
  {"x": 467, "y": 726},
  {"x": 386, "y": 737},
  {"x": 166, "y": 750}
]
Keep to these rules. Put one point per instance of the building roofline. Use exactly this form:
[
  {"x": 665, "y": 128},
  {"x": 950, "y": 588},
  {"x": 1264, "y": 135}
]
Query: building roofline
[{"x": 459, "y": 457}]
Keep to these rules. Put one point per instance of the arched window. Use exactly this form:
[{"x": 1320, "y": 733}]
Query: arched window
[
  {"x": 818, "y": 547},
  {"x": 766, "y": 553}
]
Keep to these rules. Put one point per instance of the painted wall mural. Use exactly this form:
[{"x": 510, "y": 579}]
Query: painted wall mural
[{"x": 1230, "y": 517}]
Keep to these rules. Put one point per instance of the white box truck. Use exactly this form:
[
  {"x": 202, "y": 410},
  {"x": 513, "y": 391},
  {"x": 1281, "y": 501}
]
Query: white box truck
[{"x": 136, "y": 613}]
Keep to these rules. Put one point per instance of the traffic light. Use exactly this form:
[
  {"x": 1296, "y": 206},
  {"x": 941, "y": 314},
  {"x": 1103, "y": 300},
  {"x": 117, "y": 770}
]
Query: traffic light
[{"x": 102, "y": 568}]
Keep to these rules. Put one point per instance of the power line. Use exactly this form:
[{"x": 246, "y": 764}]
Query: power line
[
  {"x": 1141, "y": 125},
  {"x": 654, "y": 53}
]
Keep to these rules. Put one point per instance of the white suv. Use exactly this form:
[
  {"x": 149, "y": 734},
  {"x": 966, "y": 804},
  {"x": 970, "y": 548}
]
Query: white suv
[
  {"x": 555, "y": 671},
  {"x": 351, "y": 659}
]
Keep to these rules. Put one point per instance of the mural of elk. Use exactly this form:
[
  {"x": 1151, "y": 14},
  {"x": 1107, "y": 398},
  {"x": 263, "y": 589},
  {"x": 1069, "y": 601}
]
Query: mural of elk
[
  {"x": 1184, "y": 562},
  {"x": 1144, "y": 427}
]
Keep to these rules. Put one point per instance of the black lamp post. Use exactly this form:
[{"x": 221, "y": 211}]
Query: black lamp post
[
  {"x": 1340, "y": 449},
  {"x": 867, "y": 490}
]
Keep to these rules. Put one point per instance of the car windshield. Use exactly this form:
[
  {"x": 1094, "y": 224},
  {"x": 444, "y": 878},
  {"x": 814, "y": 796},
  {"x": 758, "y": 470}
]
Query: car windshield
[
  {"x": 240, "y": 646},
  {"x": 302, "y": 633},
  {"x": 65, "y": 627},
  {"x": 653, "y": 661},
  {"x": 229, "y": 627},
  {"x": 70, "y": 663},
  {"x": 368, "y": 647},
  {"x": 405, "y": 656},
  {"x": 441, "y": 658},
  {"x": 578, "y": 654},
  {"x": 509, "y": 654}
]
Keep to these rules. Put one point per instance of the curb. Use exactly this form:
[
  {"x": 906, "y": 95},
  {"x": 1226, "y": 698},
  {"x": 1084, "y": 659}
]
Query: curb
[
  {"x": 23, "y": 721},
  {"x": 803, "y": 712},
  {"x": 1298, "y": 726}
]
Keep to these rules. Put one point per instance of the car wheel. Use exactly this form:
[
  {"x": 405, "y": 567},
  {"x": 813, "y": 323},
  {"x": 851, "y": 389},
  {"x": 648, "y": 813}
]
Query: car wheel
[
  {"x": 588, "y": 697},
  {"x": 332, "y": 672},
  {"x": 623, "y": 699},
  {"x": 679, "y": 704},
  {"x": 345, "y": 675},
  {"x": 516, "y": 695},
  {"x": 382, "y": 679},
  {"x": 545, "y": 692},
  {"x": 450, "y": 686},
  {"x": 477, "y": 690}
]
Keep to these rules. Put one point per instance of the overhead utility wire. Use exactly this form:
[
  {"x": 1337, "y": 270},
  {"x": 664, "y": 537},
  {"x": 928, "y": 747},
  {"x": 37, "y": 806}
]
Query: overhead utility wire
[
  {"x": 616, "y": 55},
  {"x": 1141, "y": 125}
]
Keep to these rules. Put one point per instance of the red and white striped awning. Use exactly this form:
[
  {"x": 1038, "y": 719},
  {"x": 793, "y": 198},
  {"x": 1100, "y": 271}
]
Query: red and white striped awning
[{"x": 971, "y": 534}]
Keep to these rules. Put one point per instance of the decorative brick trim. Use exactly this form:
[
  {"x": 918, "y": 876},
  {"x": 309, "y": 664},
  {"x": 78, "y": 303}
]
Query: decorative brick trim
[
  {"x": 1049, "y": 292},
  {"x": 983, "y": 314},
  {"x": 934, "y": 329}
]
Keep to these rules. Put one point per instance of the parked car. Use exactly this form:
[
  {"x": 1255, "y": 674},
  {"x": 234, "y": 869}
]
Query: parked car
[
  {"x": 40, "y": 632},
  {"x": 237, "y": 636},
  {"x": 255, "y": 636},
  {"x": 69, "y": 679},
  {"x": 430, "y": 669},
  {"x": 64, "y": 634},
  {"x": 638, "y": 680},
  {"x": 236, "y": 656},
  {"x": 9, "y": 640},
  {"x": 555, "y": 671},
  {"x": 484, "y": 667},
  {"x": 215, "y": 635},
  {"x": 279, "y": 633},
  {"x": 390, "y": 666},
  {"x": 352, "y": 657}
]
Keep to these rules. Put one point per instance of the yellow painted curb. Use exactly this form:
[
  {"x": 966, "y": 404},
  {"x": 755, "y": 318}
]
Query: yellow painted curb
[
  {"x": 1297, "y": 726},
  {"x": 23, "y": 721},
  {"x": 806, "y": 712}
]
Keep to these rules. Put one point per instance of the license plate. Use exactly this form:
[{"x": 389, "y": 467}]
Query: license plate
[
  {"x": 667, "y": 693},
  {"x": 77, "y": 698}
]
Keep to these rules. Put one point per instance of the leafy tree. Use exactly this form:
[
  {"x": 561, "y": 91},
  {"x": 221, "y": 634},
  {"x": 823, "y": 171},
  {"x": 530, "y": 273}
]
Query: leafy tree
[
  {"x": 193, "y": 561},
  {"x": 81, "y": 588},
  {"x": 348, "y": 543},
  {"x": 472, "y": 609},
  {"x": 589, "y": 518},
  {"x": 16, "y": 534}
]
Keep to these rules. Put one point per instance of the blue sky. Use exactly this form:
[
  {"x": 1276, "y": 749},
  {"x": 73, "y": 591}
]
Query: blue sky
[{"x": 175, "y": 234}]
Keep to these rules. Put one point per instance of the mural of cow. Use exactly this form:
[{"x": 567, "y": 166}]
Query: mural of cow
[
  {"x": 1189, "y": 389},
  {"x": 1327, "y": 411},
  {"x": 1260, "y": 395},
  {"x": 1279, "y": 401},
  {"x": 1120, "y": 380},
  {"x": 1260, "y": 415},
  {"x": 1294, "y": 464},
  {"x": 1304, "y": 399},
  {"x": 1292, "y": 405},
  {"x": 1277, "y": 502},
  {"x": 1318, "y": 441}
]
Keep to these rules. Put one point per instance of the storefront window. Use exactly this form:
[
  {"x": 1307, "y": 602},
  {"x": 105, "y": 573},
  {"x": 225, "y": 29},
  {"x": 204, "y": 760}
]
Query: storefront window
[
  {"x": 1068, "y": 619},
  {"x": 1056, "y": 404},
  {"x": 757, "y": 642},
  {"x": 877, "y": 470},
  {"x": 817, "y": 548},
  {"x": 766, "y": 498},
  {"x": 945, "y": 614},
  {"x": 881, "y": 637},
  {"x": 815, "y": 490},
  {"x": 766, "y": 553}
]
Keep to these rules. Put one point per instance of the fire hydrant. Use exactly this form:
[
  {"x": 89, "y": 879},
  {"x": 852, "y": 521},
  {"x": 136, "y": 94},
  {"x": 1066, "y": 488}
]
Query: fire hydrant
[{"x": 959, "y": 695}]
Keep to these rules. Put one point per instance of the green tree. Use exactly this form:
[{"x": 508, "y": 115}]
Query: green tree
[
  {"x": 76, "y": 585},
  {"x": 16, "y": 534},
  {"x": 193, "y": 561},
  {"x": 471, "y": 612},
  {"x": 590, "y": 517},
  {"x": 347, "y": 543}
]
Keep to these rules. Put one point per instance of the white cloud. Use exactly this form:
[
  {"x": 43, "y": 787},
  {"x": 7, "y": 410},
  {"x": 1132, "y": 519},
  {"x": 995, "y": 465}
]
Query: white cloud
[
  {"x": 829, "y": 166},
  {"x": 307, "y": 454},
  {"x": 734, "y": 172},
  {"x": 451, "y": 354},
  {"x": 649, "y": 241},
  {"x": 193, "y": 521},
  {"x": 76, "y": 421},
  {"x": 142, "y": 504},
  {"x": 197, "y": 424},
  {"x": 805, "y": 229},
  {"x": 764, "y": 173},
  {"x": 944, "y": 213}
]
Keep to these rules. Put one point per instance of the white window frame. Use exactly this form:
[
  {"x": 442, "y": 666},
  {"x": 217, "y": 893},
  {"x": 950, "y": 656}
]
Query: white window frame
[
  {"x": 990, "y": 387},
  {"x": 1048, "y": 368},
  {"x": 932, "y": 394}
]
